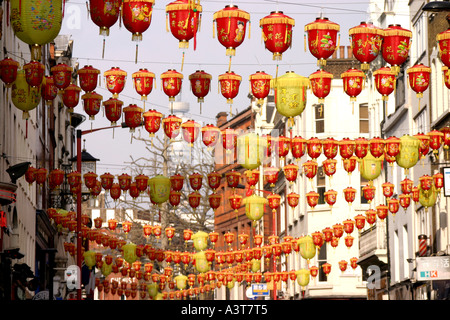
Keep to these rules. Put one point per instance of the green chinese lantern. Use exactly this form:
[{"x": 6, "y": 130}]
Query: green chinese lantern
[
  {"x": 89, "y": 259},
  {"x": 256, "y": 265},
  {"x": 159, "y": 189},
  {"x": 250, "y": 151},
  {"x": 201, "y": 264},
  {"x": 370, "y": 167},
  {"x": 152, "y": 289},
  {"x": 303, "y": 276},
  {"x": 409, "y": 152},
  {"x": 290, "y": 94},
  {"x": 181, "y": 281},
  {"x": 36, "y": 22},
  {"x": 106, "y": 269},
  {"x": 307, "y": 247},
  {"x": 23, "y": 96},
  {"x": 129, "y": 252},
  {"x": 200, "y": 240},
  {"x": 254, "y": 207},
  {"x": 427, "y": 198}
]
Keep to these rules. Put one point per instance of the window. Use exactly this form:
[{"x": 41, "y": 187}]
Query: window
[
  {"x": 396, "y": 257},
  {"x": 419, "y": 37},
  {"x": 405, "y": 251},
  {"x": 420, "y": 121},
  {"x": 400, "y": 93},
  {"x": 321, "y": 260},
  {"x": 321, "y": 185},
  {"x": 364, "y": 118},
  {"x": 319, "y": 118},
  {"x": 364, "y": 183}
]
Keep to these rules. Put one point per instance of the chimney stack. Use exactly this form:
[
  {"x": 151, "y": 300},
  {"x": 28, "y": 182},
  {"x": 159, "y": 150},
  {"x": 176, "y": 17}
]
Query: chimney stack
[{"x": 221, "y": 119}]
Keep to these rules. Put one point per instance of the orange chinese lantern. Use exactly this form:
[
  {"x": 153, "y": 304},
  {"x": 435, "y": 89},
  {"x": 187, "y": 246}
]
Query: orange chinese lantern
[
  {"x": 419, "y": 79},
  {"x": 329, "y": 167},
  {"x": 115, "y": 79},
  {"x": 184, "y": 18},
  {"x": 396, "y": 44},
  {"x": 215, "y": 200},
  {"x": 361, "y": 147},
  {"x": 330, "y": 148},
  {"x": 368, "y": 192},
  {"x": 393, "y": 205},
  {"x": 210, "y": 135},
  {"x": 92, "y": 102},
  {"x": 274, "y": 201},
  {"x": 349, "y": 194},
  {"x": 171, "y": 126},
  {"x": 405, "y": 200},
  {"x": 366, "y": 40},
  {"x": 48, "y": 89},
  {"x": 290, "y": 172},
  {"x": 343, "y": 265},
  {"x": 310, "y": 169},
  {"x": 406, "y": 185},
  {"x": 346, "y": 148},
  {"x": 271, "y": 174},
  {"x": 62, "y": 75},
  {"x": 8, "y": 71},
  {"x": 233, "y": 178},
  {"x": 260, "y": 85},
  {"x": 348, "y": 226},
  {"x": 371, "y": 216},
  {"x": 195, "y": 181},
  {"x": 190, "y": 130},
  {"x": 277, "y": 33},
  {"x": 200, "y": 85},
  {"x": 143, "y": 82},
  {"x": 214, "y": 179},
  {"x": 321, "y": 84},
  {"x": 235, "y": 202},
  {"x": 385, "y": 81},
  {"x": 133, "y": 116},
  {"x": 152, "y": 121},
  {"x": 322, "y": 36},
  {"x": 388, "y": 189},
  {"x": 88, "y": 76},
  {"x": 174, "y": 198},
  {"x": 229, "y": 83},
  {"x": 126, "y": 226},
  {"x": 326, "y": 268},
  {"x": 436, "y": 138},
  {"x": 349, "y": 241},
  {"x": 231, "y": 23},
  {"x": 360, "y": 221},
  {"x": 71, "y": 96}
]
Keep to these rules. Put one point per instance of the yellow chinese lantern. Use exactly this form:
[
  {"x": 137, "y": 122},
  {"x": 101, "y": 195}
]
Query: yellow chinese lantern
[
  {"x": 290, "y": 94},
  {"x": 129, "y": 252},
  {"x": 256, "y": 265},
  {"x": 370, "y": 167},
  {"x": 254, "y": 207},
  {"x": 307, "y": 247},
  {"x": 181, "y": 281},
  {"x": 89, "y": 259},
  {"x": 36, "y": 22},
  {"x": 427, "y": 198},
  {"x": 106, "y": 269},
  {"x": 23, "y": 96},
  {"x": 249, "y": 151},
  {"x": 201, "y": 264},
  {"x": 409, "y": 152},
  {"x": 152, "y": 289},
  {"x": 200, "y": 240},
  {"x": 159, "y": 189}
]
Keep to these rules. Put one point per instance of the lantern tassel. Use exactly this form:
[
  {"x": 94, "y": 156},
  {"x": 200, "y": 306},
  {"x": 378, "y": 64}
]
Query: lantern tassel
[
  {"x": 136, "y": 57},
  {"x": 214, "y": 31},
  {"x": 103, "y": 51},
  {"x": 87, "y": 9},
  {"x": 249, "y": 28},
  {"x": 304, "y": 41},
  {"x": 182, "y": 62},
  {"x": 167, "y": 22},
  {"x": 229, "y": 65}
]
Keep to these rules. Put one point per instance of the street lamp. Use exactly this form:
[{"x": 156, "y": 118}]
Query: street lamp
[{"x": 437, "y": 6}]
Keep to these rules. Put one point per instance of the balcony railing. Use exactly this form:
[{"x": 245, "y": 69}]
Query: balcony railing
[{"x": 373, "y": 239}]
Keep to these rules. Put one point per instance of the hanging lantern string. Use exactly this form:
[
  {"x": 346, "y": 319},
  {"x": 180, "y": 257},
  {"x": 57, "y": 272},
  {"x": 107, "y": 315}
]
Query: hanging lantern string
[{"x": 182, "y": 62}]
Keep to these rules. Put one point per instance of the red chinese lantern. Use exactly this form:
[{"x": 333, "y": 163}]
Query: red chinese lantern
[
  {"x": 233, "y": 178},
  {"x": 71, "y": 96},
  {"x": 321, "y": 84},
  {"x": 314, "y": 147},
  {"x": 349, "y": 226},
  {"x": 290, "y": 172},
  {"x": 322, "y": 36},
  {"x": 274, "y": 201},
  {"x": 271, "y": 174},
  {"x": 184, "y": 20},
  {"x": 385, "y": 81},
  {"x": 74, "y": 179},
  {"x": 195, "y": 181},
  {"x": 326, "y": 268},
  {"x": 343, "y": 265},
  {"x": 330, "y": 197},
  {"x": 92, "y": 102},
  {"x": 200, "y": 85},
  {"x": 235, "y": 202},
  {"x": 312, "y": 198},
  {"x": 415, "y": 194},
  {"x": 194, "y": 199},
  {"x": 405, "y": 200},
  {"x": 361, "y": 147},
  {"x": 88, "y": 76},
  {"x": 353, "y": 83},
  {"x": 90, "y": 179},
  {"x": 152, "y": 121},
  {"x": 97, "y": 189},
  {"x": 104, "y": 14},
  {"x": 62, "y": 75},
  {"x": 174, "y": 198},
  {"x": 338, "y": 230},
  {"x": 426, "y": 182},
  {"x": 438, "y": 180},
  {"x": 176, "y": 182},
  {"x": 376, "y": 147},
  {"x": 215, "y": 200},
  {"x": 310, "y": 169},
  {"x": 34, "y": 73},
  {"x": 229, "y": 139},
  {"x": 115, "y": 191},
  {"x": 113, "y": 110},
  {"x": 277, "y": 33},
  {"x": 210, "y": 136},
  {"x": 8, "y": 71},
  {"x": 115, "y": 79},
  {"x": 419, "y": 79},
  {"x": 349, "y": 194},
  {"x": 350, "y": 165},
  {"x": 393, "y": 205},
  {"x": 187, "y": 234},
  {"x": 329, "y": 167},
  {"x": 293, "y": 199},
  {"x": 330, "y": 148},
  {"x": 318, "y": 239},
  {"x": 133, "y": 116},
  {"x": 349, "y": 241},
  {"x": 171, "y": 82},
  {"x": 443, "y": 41},
  {"x": 396, "y": 43},
  {"x": 445, "y": 77},
  {"x": 143, "y": 82},
  {"x": 48, "y": 90},
  {"x": 298, "y": 147},
  {"x": 229, "y": 83},
  {"x": 371, "y": 216},
  {"x": 382, "y": 211},
  {"x": 190, "y": 130},
  {"x": 126, "y": 226},
  {"x": 346, "y": 148},
  {"x": 214, "y": 179},
  {"x": 171, "y": 126},
  {"x": 260, "y": 85},
  {"x": 124, "y": 182},
  {"x": 283, "y": 145},
  {"x": 406, "y": 185},
  {"x": 436, "y": 138},
  {"x": 314, "y": 271},
  {"x": 252, "y": 177},
  {"x": 368, "y": 192},
  {"x": 388, "y": 189},
  {"x": 213, "y": 237},
  {"x": 446, "y": 137},
  {"x": 170, "y": 232},
  {"x": 231, "y": 23},
  {"x": 137, "y": 17},
  {"x": 107, "y": 180},
  {"x": 55, "y": 178},
  {"x": 366, "y": 40},
  {"x": 327, "y": 234}
]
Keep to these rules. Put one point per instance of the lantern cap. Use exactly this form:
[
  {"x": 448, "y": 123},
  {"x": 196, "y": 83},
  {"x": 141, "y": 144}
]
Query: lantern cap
[
  {"x": 200, "y": 74},
  {"x": 254, "y": 199},
  {"x": 133, "y": 107},
  {"x": 88, "y": 69},
  {"x": 352, "y": 73},
  {"x": 396, "y": 30},
  {"x": 365, "y": 27},
  {"x": 115, "y": 71},
  {"x": 153, "y": 113},
  {"x": 90, "y": 95},
  {"x": 230, "y": 75},
  {"x": 321, "y": 74},
  {"x": 418, "y": 68},
  {"x": 290, "y": 79},
  {"x": 143, "y": 73},
  {"x": 171, "y": 73},
  {"x": 385, "y": 71},
  {"x": 277, "y": 17},
  {"x": 231, "y": 11},
  {"x": 260, "y": 75},
  {"x": 322, "y": 24},
  {"x": 183, "y": 5},
  {"x": 445, "y": 35},
  {"x": 112, "y": 101}
]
